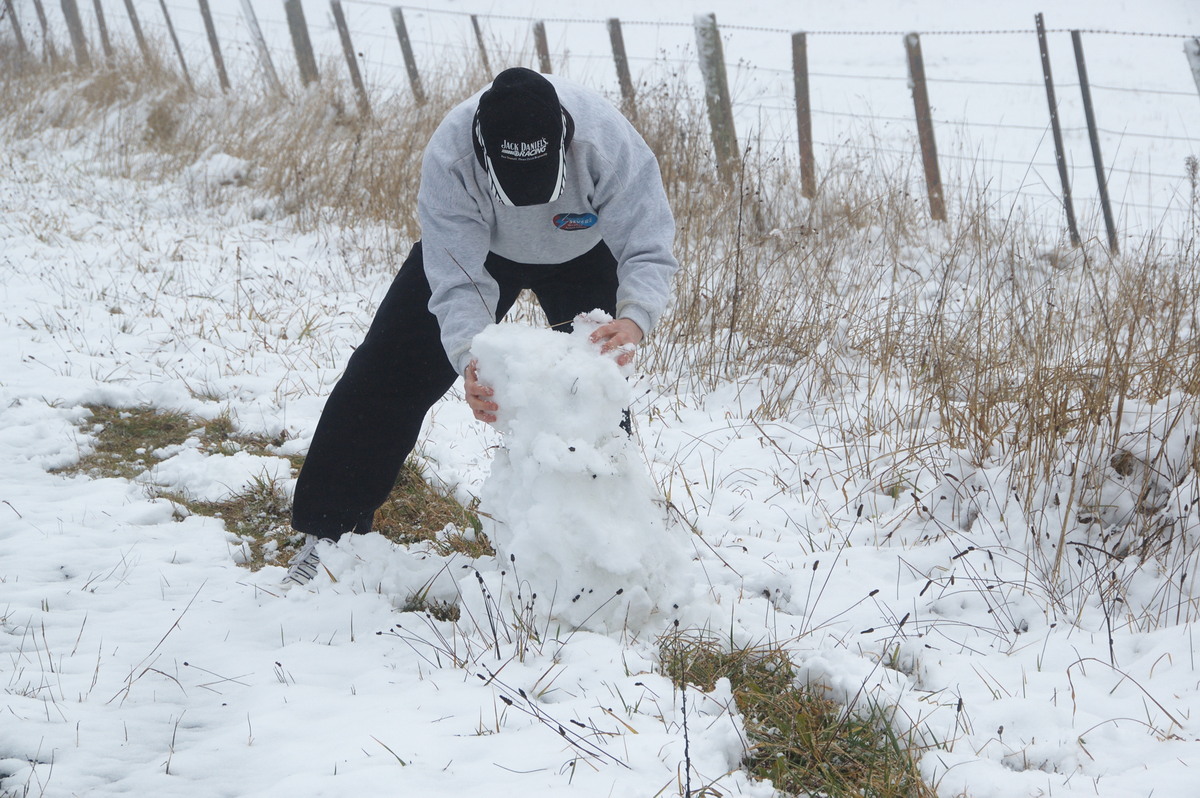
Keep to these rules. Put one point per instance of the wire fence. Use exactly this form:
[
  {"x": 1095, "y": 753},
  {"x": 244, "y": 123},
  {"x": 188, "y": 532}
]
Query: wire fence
[{"x": 988, "y": 113}]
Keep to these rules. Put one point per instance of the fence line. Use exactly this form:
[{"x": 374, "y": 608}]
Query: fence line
[
  {"x": 1008, "y": 32},
  {"x": 1154, "y": 136},
  {"x": 763, "y": 29},
  {"x": 981, "y": 82},
  {"x": 1136, "y": 90},
  {"x": 181, "y": 17},
  {"x": 1142, "y": 172},
  {"x": 843, "y": 145},
  {"x": 948, "y": 122}
]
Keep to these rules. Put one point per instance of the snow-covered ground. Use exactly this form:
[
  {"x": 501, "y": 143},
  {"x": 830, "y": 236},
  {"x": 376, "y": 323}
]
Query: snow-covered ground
[{"x": 138, "y": 658}]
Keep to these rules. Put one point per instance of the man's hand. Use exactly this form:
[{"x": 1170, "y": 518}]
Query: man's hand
[
  {"x": 622, "y": 334},
  {"x": 479, "y": 396}
]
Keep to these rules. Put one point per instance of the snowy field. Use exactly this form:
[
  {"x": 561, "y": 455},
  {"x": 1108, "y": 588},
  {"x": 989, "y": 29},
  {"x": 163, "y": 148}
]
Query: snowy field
[{"x": 138, "y": 658}]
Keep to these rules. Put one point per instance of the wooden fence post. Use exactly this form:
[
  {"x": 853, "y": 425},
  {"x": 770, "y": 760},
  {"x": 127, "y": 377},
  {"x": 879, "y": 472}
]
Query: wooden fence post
[
  {"x": 214, "y": 45},
  {"x": 543, "y": 47},
  {"x": 628, "y": 99},
  {"x": 105, "y": 42},
  {"x": 487, "y": 67},
  {"x": 70, "y": 10},
  {"x": 920, "y": 95},
  {"x": 410, "y": 62},
  {"x": 187, "y": 76},
  {"x": 716, "y": 94},
  {"x": 16, "y": 26},
  {"x": 260, "y": 46},
  {"x": 305, "y": 59},
  {"x": 339, "y": 18},
  {"x": 1059, "y": 155},
  {"x": 131, "y": 12},
  {"x": 48, "y": 49},
  {"x": 1097, "y": 161},
  {"x": 1191, "y": 49},
  {"x": 808, "y": 168}
]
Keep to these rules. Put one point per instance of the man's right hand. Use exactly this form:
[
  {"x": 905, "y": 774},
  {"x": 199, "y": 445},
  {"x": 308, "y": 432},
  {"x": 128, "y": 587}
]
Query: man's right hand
[{"x": 479, "y": 396}]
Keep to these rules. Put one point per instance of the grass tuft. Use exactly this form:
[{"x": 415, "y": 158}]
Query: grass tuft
[
  {"x": 440, "y": 610},
  {"x": 799, "y": 739}
]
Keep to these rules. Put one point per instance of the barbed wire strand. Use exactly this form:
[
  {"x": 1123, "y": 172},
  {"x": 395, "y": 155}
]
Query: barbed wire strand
[
  {"x": 933, "y": 79},
  {"x": 764, "y": 29}
]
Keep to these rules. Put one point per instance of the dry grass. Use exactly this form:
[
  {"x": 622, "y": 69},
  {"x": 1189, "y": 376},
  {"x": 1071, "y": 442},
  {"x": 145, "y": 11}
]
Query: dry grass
[
  {"x": 126, "y": 441},
  {"x": 418, "y": 512},
  {"x": 985, "y": 337},
  {"x": 804, "y": 743}
]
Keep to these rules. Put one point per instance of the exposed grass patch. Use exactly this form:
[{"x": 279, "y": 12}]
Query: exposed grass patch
[
  {"x": 127, "y": 438},
  {"x": 800, "y": 740},
  {"x": 417, "y": 511},
  {"x": 125, "y": 447},
  {"x": 126, "y": 441}
]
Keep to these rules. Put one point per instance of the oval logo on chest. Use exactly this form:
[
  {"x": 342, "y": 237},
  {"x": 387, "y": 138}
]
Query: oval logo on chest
[{"x": 575, "y": 221}]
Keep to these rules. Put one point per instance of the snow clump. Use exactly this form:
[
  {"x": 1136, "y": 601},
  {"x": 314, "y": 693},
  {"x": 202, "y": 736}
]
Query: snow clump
[{"x": 569, "y": 504}]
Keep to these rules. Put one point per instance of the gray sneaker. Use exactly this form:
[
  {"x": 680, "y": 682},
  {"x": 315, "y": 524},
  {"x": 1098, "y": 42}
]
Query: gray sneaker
[{"x": 305, "y": 564}]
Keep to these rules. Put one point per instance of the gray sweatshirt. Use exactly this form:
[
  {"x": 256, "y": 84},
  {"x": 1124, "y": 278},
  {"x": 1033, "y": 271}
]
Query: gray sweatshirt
[{"x": 610, "y": 174}]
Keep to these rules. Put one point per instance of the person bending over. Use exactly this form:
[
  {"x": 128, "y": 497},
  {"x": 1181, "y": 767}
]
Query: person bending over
[{"x": 533, "y": 183}]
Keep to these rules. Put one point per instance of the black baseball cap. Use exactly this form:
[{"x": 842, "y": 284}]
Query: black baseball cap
[{"x": 521, "y": 135}]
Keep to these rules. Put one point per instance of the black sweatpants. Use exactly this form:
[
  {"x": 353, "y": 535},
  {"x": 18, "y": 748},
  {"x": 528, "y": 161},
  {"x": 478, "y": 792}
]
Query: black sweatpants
[{"x": 373, "y": 416}]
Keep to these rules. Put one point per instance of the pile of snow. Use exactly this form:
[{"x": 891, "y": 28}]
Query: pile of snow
[
  {"x": 569, "y": 503},
  {"x": 219, "y": 169}
]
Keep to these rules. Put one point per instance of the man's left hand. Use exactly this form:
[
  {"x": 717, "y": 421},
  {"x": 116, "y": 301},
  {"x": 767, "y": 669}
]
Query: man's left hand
[{"x": 619, "y": 334}]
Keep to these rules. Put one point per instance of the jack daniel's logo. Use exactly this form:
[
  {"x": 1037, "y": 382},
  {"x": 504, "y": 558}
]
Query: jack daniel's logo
[{"x": 523, "y": 150}]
